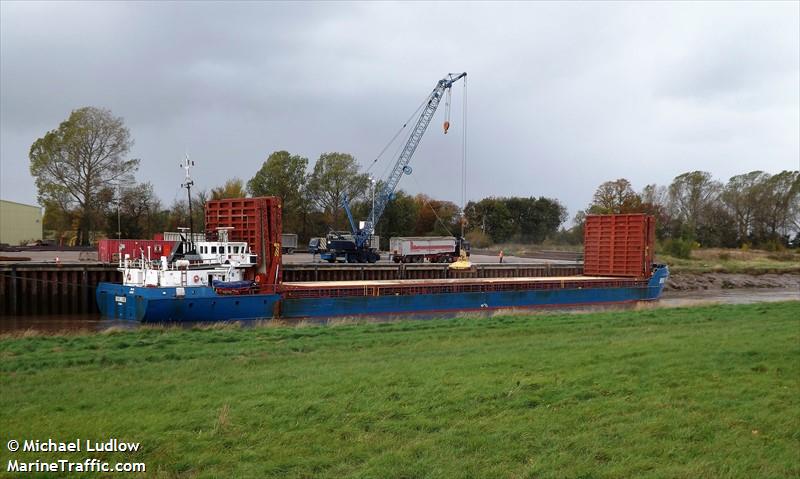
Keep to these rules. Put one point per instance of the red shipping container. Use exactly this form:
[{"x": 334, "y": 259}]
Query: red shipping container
[
  {"x": 109, "y": 251},
  {"x": 619, "y": 245}
]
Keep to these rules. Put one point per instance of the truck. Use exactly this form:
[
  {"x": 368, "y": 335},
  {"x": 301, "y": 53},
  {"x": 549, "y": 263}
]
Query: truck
[
  {"x": 434, "y": 249},
  {"x": 288, "y": 243},
  {"x": 334, "y": 247}
]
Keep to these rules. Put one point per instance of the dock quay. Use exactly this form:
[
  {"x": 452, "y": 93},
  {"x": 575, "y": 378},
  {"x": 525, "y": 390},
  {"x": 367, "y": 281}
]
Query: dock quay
[{"x": 51, "y": 288}]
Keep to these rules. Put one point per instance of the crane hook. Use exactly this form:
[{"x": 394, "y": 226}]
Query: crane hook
[{"x": 447, "y": 112}]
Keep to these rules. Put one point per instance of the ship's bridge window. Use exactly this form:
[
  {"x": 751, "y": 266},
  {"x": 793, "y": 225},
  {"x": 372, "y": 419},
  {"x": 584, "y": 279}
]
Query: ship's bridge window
[
  {"x": 213, "y": 250},
  {"x": 222, "y": 250},
  {"x": 236, "y": 249}
]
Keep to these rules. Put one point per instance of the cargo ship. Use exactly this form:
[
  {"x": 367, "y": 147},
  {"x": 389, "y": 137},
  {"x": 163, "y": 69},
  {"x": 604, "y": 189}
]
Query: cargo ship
[{"x": 241, "y": 279}]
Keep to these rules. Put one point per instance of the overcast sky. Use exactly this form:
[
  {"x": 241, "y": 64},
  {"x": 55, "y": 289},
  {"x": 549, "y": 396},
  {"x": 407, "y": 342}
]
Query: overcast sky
[{"x": 560, "y": 96}]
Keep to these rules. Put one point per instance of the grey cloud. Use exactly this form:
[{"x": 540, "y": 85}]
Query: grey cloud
[{"x": 562, "y": 96}]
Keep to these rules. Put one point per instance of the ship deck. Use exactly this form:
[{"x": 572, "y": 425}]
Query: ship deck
[
  {"x": 417, "y": 282},
  {"x": 316, "y": 289}
]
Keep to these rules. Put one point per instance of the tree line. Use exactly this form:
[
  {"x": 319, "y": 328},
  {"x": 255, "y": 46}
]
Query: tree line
[
  {"x": 755, "y": 209},
  {"x": 86, "y": 182},
  {"x": 87, "y": 185}
]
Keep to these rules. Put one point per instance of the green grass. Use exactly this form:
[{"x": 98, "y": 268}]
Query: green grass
[{"x": 695, "y": 392}]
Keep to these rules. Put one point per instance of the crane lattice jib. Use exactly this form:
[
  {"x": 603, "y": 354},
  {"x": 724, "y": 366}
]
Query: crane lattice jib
[{"x": 401, "y": 166}]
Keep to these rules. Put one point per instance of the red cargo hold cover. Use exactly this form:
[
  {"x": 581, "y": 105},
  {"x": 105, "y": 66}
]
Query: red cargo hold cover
[
  {"x": 619, "y": 245},
  {"x": 256, "y": 221}
]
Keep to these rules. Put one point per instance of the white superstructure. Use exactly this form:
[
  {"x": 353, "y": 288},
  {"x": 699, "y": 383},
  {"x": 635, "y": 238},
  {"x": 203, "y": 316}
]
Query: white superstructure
[{"x": 220, "y": 260}]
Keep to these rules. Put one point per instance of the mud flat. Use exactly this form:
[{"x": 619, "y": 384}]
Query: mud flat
[{"x": 714, "y": 281}]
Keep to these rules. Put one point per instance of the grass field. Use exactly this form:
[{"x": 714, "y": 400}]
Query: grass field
[{"x": 698, "y": 392}]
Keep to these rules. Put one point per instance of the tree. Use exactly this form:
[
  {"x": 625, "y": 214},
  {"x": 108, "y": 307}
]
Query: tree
[
  {"x": 718, "y": 227},
  {"x": 139, "y": 214},
  {"x": 58, "y": 219},
  {"x": 692, "y": 196},
  {"x": 655, "y": 202},
  {"x": 615, "y": 197},
  {"x": 535, "y": 219},
  {"x": 233, "y": 188},
  {"x": 74, "y": 162},
  {"x": 492, "y": 217},
  {"x": 778, "y": 205},
  {"x": 178, "y": 215},
  {"x": 576, "y": 233},
  {"x": 284, "y": 175},
  {"x": 399, "y": 218},
  {"x": 436, "y": 217},
  {"x": 741, "y": 196},
  {"x": 336, "y": 175}
]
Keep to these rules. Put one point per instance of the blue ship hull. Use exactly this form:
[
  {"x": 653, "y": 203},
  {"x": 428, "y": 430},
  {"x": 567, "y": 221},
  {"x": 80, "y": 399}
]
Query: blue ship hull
[
  {"x": 204, "y": 304},
  {"x": 164, "y": 305}
]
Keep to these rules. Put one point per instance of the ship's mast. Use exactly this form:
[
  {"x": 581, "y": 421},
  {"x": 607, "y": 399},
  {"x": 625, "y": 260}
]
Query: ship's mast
[{"x": 188, "y": 183}]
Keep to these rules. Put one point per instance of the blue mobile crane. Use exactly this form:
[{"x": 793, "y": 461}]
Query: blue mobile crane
[{"x": 357, "y": 247}]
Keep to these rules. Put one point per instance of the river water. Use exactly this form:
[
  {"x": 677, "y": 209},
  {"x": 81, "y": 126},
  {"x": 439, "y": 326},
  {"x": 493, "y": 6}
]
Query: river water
[{"x": 669, "y": 299}]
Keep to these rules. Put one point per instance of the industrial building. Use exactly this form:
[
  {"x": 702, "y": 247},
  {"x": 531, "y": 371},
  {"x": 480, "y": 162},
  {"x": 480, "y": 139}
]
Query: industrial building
[{"x": 19, "y": 222}]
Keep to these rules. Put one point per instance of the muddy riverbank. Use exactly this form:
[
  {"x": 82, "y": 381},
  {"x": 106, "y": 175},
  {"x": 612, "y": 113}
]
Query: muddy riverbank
[{"x": 727, "y": 281}]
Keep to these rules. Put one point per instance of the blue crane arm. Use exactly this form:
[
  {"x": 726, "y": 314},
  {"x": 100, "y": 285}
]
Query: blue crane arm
[
  {"x": 401, "y": 166},
  {"x": 346, "y": 205}
]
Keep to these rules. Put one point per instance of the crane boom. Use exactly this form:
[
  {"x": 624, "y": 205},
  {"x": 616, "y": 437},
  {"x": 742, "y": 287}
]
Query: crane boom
[{"x": 401, "y": 166}]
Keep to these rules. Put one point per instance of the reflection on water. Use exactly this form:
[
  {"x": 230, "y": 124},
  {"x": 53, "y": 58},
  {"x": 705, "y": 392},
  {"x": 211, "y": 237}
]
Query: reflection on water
[{"x": 670, "y": 299}]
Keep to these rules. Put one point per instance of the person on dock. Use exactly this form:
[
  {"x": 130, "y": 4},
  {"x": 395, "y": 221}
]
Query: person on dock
[{"x": 501, "y": 256}]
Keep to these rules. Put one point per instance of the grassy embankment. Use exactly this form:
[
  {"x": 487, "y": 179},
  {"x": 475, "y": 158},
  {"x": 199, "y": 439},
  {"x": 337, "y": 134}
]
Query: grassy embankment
[
  {"x": 721, "y": 260},
  {"x": 698, "y": 392}
]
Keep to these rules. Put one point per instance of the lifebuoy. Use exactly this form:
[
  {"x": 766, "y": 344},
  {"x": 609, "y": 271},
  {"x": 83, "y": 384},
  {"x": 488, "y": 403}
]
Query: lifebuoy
[
  {"x": 157, "y": 248},
  {"x": 260, "y": 278},
  {"x": 196, "y": 278}
]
